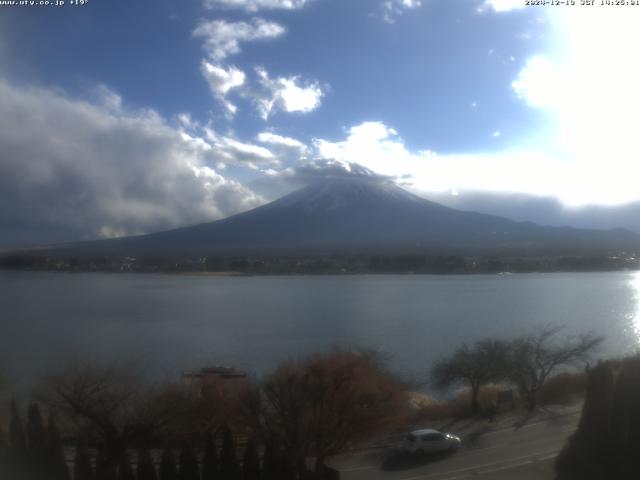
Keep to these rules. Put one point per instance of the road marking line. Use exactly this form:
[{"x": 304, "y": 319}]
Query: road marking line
[
  {"x": 521, "y": 464},
  {"x": 474, "y": 450},
  {"x": 528, "y": 425},
  {"x": 517, "y": 442},
  {"x": 355, "y": 469},
  {"x": 478, "y": 467},
  {"x": 464, "y": 454}
]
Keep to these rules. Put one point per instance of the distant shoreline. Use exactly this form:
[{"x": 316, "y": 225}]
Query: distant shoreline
[
  {"x": 329, "y": 264},
  {"x": 213, "y": 274},
  {"x": 235, "y": 274}
]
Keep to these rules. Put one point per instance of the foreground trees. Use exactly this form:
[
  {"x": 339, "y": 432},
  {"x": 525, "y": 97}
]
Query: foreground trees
[
  {"x": 534, "y": 358},
  {"x": 526, "y": 361},
  {"x": 607, "y": 440},
  {"x": 114, "y": 409},
  {"x": 304, "y": 412},
  {"x": 314, "y": 408},
  {"x": 473, "y": 366},
  {"x": 33, "y": 453}
]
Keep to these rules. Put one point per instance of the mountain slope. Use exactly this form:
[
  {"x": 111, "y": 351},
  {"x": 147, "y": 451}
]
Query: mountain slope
[{"x": 362, "y": 216}]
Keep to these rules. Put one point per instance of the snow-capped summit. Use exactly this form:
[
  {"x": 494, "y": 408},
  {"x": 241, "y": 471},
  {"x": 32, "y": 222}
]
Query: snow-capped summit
[{"x": 341, "y": 192}]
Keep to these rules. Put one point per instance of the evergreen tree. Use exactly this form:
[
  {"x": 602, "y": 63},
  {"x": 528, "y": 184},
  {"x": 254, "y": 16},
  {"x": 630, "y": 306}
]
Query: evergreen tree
[
  {"x": 146, "y": 470},
  {"x": 125, "y": 472},
  {"x": 82, "y": 469},
  {"x": 251, "y": 462},
  {"x": 210, "y": 464},
  {"x": 188, "y": 463},
  {"x": 284, "y": 467},
  {"x": 269, "y": 464},
  {"x": 17, "y": 437},
  {"x": 168, "y": 469},
  {"x": 105, "y": 469},
  {"x": 4, "y": 454},
  {"x": 229, "y": 469},
  {"x": 56, "y": 462},
  {"x": 607, "y": 440},
  {"x": 36, "y": 438}
]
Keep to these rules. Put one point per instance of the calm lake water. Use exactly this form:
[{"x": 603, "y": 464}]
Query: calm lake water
[{"x": 167, "y": 323}]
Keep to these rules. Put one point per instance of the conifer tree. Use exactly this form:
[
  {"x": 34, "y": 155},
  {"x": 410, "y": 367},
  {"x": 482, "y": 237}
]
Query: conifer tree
[
  {"x": 229, "y": 469},
  {"x": 269, "y": 464},
  {"x": 284, "y": 467},
  {"x": 125, "y": 472},
  {"x": 56, "y": 462},
  {"x": 251, "y": 462},
  {"x": 145, "y": 470},
  {"x": 105, "y": 469},
  {"x": 4, "y": 446},
  {"x": 82, "y": 468},
  {"x": 210, "y": 464},
  {"x": 168, "y": 469},
  {"x": 188, "y": 463},
  {"x": 36, "y": 439},
  {"x": 17, "y": 437},
  {"x": 4, "y": 453}
]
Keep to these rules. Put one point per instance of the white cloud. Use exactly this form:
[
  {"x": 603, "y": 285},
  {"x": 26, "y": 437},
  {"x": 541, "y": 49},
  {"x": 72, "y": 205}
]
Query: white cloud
[
  {"x": 287, "y": 94},
  {"x": 502, "y": 5},
  {"x": 221, "y": 81},
  {"x": 372, "y": 145},
  {"x": 280, "y": 141},
  {"x": 588, "y": 86},
  {"x": 235, "y": 151},
  {"x": 222, "y": 38},
  {"x": 391, "y": 9},
  {"x": 537, "y": 83},
  {"x": 378, "y": 148},
  {"x": 255, "y": 5},
  {"x": 224, "y": 150},
  {"x": 82, "y": 170}
]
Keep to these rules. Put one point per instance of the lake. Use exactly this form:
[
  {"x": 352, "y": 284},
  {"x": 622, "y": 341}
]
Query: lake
[{"x": 169, "y": 323}]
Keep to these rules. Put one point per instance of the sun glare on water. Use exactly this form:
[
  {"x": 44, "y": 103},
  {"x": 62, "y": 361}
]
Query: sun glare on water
[{"x": 634, "y": 316}]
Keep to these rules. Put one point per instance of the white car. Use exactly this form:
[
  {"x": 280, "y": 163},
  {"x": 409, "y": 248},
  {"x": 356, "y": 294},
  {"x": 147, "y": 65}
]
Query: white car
[{"x": 428, "y": 440}]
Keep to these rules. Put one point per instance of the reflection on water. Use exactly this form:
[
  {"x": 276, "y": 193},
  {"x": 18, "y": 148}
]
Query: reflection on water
[
  {"x": 170, "y": 323},
  {"x": 634, "y": 316}
]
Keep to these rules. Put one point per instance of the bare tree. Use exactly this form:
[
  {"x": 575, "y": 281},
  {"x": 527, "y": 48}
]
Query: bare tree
[
  {"x": 112, "y": 406},
  {"x": 473, "y": 366},
  {"x": 314, "y": 408},
  {"x": 534, "y": 357}
]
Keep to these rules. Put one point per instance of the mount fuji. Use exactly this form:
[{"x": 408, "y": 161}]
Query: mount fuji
[{"x": 357, "y": 215}]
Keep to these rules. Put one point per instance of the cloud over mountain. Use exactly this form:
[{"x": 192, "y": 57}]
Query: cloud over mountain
[{"x": 73, "y": 169}]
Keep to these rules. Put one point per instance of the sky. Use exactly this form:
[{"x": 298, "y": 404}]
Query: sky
[{"x": 123, "y": 117}]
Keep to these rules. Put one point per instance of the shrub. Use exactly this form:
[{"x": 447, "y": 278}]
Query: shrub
[{"x": 564, "y": 388}]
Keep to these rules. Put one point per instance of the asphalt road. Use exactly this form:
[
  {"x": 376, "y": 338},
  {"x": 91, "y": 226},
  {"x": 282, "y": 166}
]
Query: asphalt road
[{"x": 515, "y": 450}]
